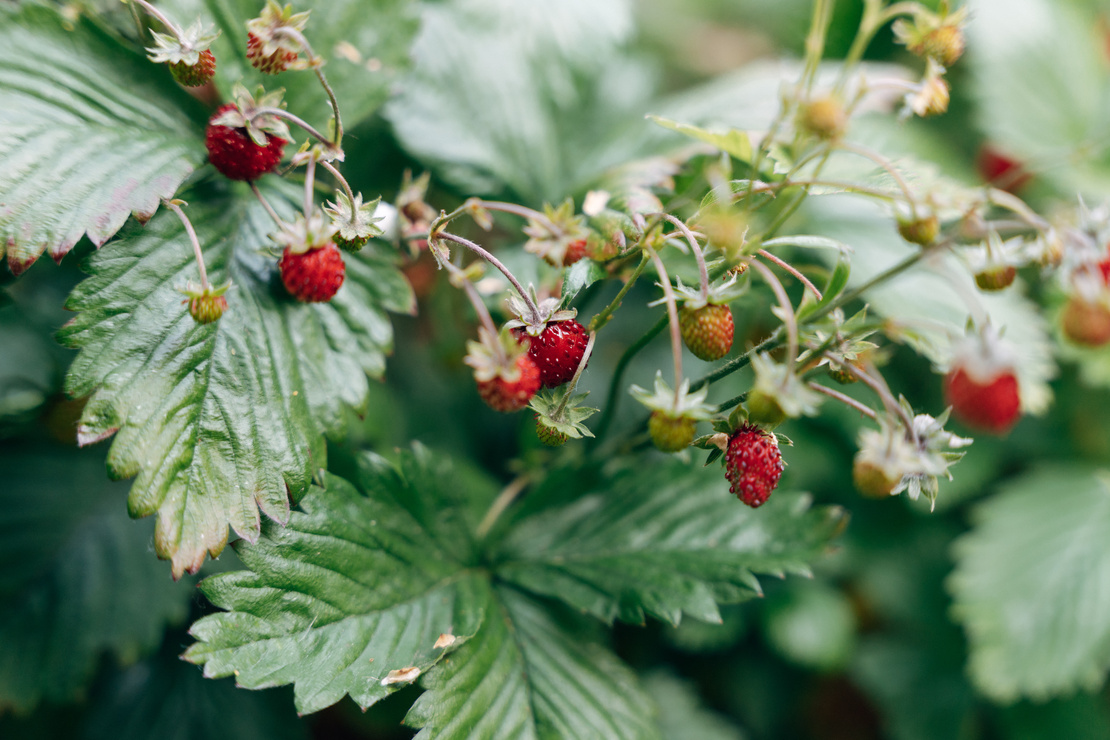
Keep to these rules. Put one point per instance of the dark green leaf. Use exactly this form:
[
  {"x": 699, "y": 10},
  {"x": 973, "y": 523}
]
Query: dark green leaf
[
  {"x": 75, "y": 578},
  {"x": 579, "y": 276},
  {"x": 356, "y": 586},
  {"x": 681, "y": 715},
  {"x": 665, "y": 540},
  {"x": 87, "y": 135},
  {"x": 1029, "y": 586},
  {"x": 221, "y": 420},
  {"x": 837, "y": 282},
  {"x": 1084, "y": 717},
  {"x": 526, "y": 676}
]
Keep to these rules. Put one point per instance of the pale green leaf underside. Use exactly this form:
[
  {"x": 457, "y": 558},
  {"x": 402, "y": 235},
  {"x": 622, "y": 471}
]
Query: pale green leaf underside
[
  {"x": 76, "y": 581},
  {"x": 524, "y": 676},
  {"x": 665, "y": 541},
  {"x": 222, "y": 420},
  {"x": 87, "y": 135},
  {"x": 354, "y": 587},
  {"x": 1032, "y": 586},
  {"x": 733, "y": 142}
]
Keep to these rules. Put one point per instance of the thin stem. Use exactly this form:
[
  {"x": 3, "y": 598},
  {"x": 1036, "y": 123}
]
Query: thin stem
[
  {"x": 703, "y": 272},
  {"x": 292, "y": 118},
  {"x": 516, "y": 210},
  {"x": 602, "y": 318},
  {"x": 882, "y": 390},
  {"x": 504, "y": 499},
  {"x": 535, "y": 311},
  {"x": 345, "y": 185},
  {"x": 615, "y": 383},
  {"x": 266, "y": 205},
  {"x": 317, "y": 68},
  {"x": 815, "y": 42},
  {"x": 789, "y": 319},
  {"x": 844, "y": 399},
  {"x": 883, "y": 162},
  {"x": 772, "y": 340},
  {"x": 192, "y": 238},
  {"x": 672, "y": 317},
  {"x": 574, "y": 380},
  {"x": 846, "y": 186},
  {"x": 170, "y": 25},
  {"x": 792, "y": 270},
  {"x": 309, "y": 185}
]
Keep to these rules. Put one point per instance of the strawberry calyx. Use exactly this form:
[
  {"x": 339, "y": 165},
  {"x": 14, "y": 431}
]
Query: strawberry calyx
[
  {"x": 306, "y": 234},
  {"x": 533, "y": 324},
  {"x": 183, "y": 48},
  {"x": 270, "y": 48},
  {"x": 206, "y": 304},
  {"x": 250, "y": 114},
  {"x": 674, "y": 414},
  {"x": 355, "y": 222},
  {"x": 560, "y": 416},
  {"x": 936, "y": 36},
  {"x": 560, "y": 238}
]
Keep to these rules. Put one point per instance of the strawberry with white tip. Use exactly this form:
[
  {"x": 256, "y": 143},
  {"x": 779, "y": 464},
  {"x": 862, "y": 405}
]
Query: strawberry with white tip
[{"x": 982, "y": 385}]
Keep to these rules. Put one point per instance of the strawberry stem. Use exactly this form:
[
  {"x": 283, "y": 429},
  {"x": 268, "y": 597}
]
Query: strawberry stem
[
  {"x": 346, "y": 187},
  {"x": 672, "y": 317},
  {"x": 535, "y": 311},
  {"x": 602, "y": 318},
  {"x": 882, "y": 390},
  {"x": 309, "y": 185},
  {"x": 845, "y": 399},
  {"x": 460, "y": 279},
  {"x": 497, "y": 508},
  {"x": 703, "y": 271},
  {"x": 266, "y": 205},
  {"x": 790, "y": 320},
  {"x": 292, "y": 118},
  {"x": 317, "y": 67},
  {"x": 558, "y": 414},
  {"x": 170, "y": 26},
  {"x": 887, "y": 165},
  {"x": 173, "y": 206},
  {"x": 792, "y": 270}
]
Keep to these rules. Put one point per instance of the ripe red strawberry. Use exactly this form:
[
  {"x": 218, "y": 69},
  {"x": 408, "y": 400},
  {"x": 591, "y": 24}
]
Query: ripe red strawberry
[
  {"x": 313, "y": 276},
  {"x": 576, "y": 250},
  {"x": 506, "y": 394},
  {"x": 753, "y": 464},
  {"x": 195, "y": 75},
  {"x": 671, "y": 433},
  {"x": 271, "y": 64},
  {"x": 989, "y": 404},
  {"x": 707, "y": 331},
  {"x": 234, "y": 153},
  {"x": 557, "y": 350}
]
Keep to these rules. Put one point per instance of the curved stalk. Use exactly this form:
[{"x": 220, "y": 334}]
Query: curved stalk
[
  {"x": 266, "y": 205},
  {"x": 886, "y": 164},
  {"x": 792, "y": 270},
  {"x": 317, "y": 68},
  {"x": 496, "y": 263},
  {"x": 844, "y": 399},
  {"x": 292, "y": 118},
  {"x": 672, "y": 317},
  {"x": 344, "y": 184},
  {"x": 615, "y": 383},
  {"x": 309, "y": 185},
  {"x": 703, "y": 272},
  {"x": 170, "y": 25},
  {"x": 602, "y": 318},
  {"x": 192, "y": 238},
  {"x": 790, "y": 320},
  {"x": 577, "y": 374}
]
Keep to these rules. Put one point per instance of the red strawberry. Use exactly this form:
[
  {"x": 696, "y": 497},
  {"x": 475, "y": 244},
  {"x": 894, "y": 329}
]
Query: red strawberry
[
  {"x": 313, "y": 276},
  {"x": 576, "y": 250},
  {"x": 557, "y": 350},
  {"x": 753, "y": 464},
  {"x": 195, "y": 75},
  {"x": 506, "y": 394},
  {"x": 1000, "y": 170},
  {"x": 671, "y": 433},
  {"x": 279, "y": 61},
  {"x": 707, "y": 331},
  {"x": 989, "y": 404},
  {"x": 234, "y": 153}
]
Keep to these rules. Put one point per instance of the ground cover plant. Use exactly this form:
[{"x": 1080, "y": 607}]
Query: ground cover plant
[{"x": 475, "y": 368}]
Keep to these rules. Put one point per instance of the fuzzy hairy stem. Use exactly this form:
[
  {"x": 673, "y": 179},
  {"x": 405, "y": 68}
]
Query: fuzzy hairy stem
[
  {"x": 193, "y": 239},
  {"x": 672, "y": 317},
  {"x": 496, "y": 263}
]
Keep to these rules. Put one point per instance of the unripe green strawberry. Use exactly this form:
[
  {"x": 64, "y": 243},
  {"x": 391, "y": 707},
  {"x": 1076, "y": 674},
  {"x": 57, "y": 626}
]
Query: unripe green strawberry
[
  {"x": 995, "y": 278},
  {"x": 208, "y": 308},
  {"x": 824, "y": 117},
  {"x": 671, "y": 433},
  {"x": 707, "y": 331},
  {"x": 841, "y": 374},
  {"x": 550, "y": 436},
  {"x": 195, "y": 75},
  {"x": 921, "y": 230},
  {"x": 871, "y": 480}
]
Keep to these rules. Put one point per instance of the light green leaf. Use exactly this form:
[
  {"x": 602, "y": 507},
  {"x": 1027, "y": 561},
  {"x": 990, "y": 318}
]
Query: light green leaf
[
  {"x": 356, "y": 586},
  {"x": 579, "y": 276},
  {"x": 1032, "y": 586},
  {"x": 525, "y": 676},
  {"x": 87, "y": 135},
  {"x": 811, "y": 624},
  {"x": 666, "y": 540},
  {"x": 75, "y": 578},
  {"x": 734, "y": 142},
  {"x": 220, "y": 420}
]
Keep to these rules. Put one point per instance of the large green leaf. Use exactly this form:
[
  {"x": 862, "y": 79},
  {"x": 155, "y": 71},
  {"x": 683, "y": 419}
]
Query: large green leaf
[
  {"x": 356, "y": 586},
  {"x": 87, "y": 135},
  {"x": 1032, "y": 586},
  {"x": 75, "y": 578},
  {"x": 665, "y": 540},
  {"x": 365, "y": 42},
  {"x": 221, "y": 420},
  {"x": 525, "y": 676}
]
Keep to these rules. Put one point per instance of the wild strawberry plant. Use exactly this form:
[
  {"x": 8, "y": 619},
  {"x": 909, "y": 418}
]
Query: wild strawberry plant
[{"x": 778, "y": 253}]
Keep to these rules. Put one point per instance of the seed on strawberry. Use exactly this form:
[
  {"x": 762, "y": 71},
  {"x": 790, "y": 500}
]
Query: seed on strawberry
[
  {"x": 707, "y": 331},
  {"x": 313, "y": 276},
  {"x": 549, "y": 435},
  {"x": 195, "y": 75},
  {"x": 753, "y": 464},
  {"x": 988, "y": 404},
  {"x": 671, "y": 433},
  {"x": 236, "y": 155},
  {"x": 512, "y": 389},
  {"x": 1086, "y": 323},
  {"x": 557, "y": 350}
]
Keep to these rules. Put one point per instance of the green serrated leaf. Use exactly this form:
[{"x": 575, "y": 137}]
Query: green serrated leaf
[
  {"x": 733, "y": 142},
  {"x": 1029, "y": 586},
  {"x": 837, "y": 282},
  {"x": 524, "y": 675},
  {"x": 222, "y": 420},
  {"x": 87, "y": 135},
  {"x": 666, "y": 540},
  {"x": 75, "y": 578},
  {"x": 579, "y": 276},
  {"x": 357, "y": 586}
]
